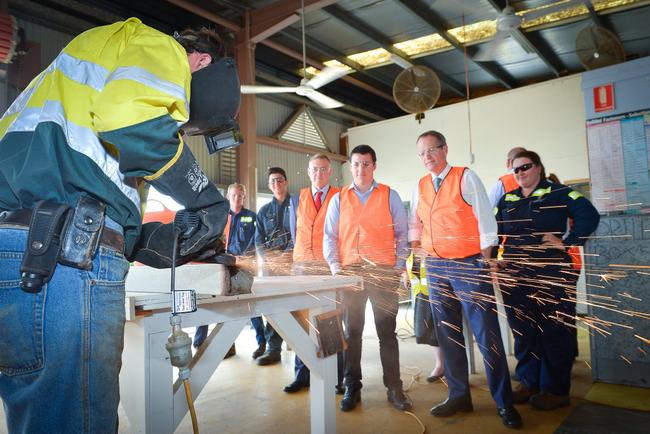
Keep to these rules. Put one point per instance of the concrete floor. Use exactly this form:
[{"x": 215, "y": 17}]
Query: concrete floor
[{"x": 245, "y": 398}]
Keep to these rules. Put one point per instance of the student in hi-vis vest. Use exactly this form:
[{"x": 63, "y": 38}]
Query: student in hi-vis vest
[
  {"x": 453, "y": 224},
  {"x": 307, "y": 217},
  {"x": 365, "y": 234}
]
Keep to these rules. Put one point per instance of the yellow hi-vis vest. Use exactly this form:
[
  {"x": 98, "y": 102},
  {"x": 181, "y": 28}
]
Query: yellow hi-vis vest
[{"x": 419, "y": 280}]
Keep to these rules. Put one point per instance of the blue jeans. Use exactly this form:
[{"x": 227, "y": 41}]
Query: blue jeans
[{"x": 61, "y": 348}]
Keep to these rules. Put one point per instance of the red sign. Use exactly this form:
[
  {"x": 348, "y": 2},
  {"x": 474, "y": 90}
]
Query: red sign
[{"x": 604, "y": 98}]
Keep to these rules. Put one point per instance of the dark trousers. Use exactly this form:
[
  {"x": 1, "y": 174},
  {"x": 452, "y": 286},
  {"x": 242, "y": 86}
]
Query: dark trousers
[
  {"x": 258, "y": 325},
  {"x": 463, "y": 286},
  {"x": 543, "y": 323},
  {"x": 385, "y": 307}
]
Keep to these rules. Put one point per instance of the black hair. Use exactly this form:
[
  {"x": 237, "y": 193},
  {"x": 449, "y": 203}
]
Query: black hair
[
  {"x": 276, "y": 170},
  {"x": 435, "y": 134},
  {"x": 534, "y": 157},
  {"x": 364, "y": 150},
  {"x": 202, "y": 40}
]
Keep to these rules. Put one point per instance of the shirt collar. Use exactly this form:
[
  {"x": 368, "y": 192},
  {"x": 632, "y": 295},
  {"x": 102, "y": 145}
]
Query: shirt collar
[
  {"x": 325, "y": 190},
  {"x": 372, "y": 187},
  {"x": 443, "y": 174}
]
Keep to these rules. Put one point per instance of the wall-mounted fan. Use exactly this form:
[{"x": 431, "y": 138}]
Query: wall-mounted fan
[
  {"x": 307, "y": 88},
  {"x": 416, "y": 90},
  {"x": 508, "y": 20},
  {"x": 597, "y": 47}
]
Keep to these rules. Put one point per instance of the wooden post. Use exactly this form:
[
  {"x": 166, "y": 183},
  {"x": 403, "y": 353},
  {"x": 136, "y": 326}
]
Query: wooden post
[{"x": 247, "y": 151}]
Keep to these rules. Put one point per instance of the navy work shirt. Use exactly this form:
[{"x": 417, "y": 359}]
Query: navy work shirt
[
  {"x": 524, "y": 220},
  {"x": 241, "y": 239},
  {"x": 273, "y": 228}
]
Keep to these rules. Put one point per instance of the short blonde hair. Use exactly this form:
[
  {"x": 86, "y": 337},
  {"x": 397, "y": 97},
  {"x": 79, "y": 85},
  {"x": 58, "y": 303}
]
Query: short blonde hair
[
  {"x": 320, "y": 157},
  {"x": 237, "y": 186}
]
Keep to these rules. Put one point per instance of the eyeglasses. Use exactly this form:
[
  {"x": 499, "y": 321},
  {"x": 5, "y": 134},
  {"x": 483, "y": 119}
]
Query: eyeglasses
[
  {"x": 277, "y": 180},
  {"x": 357, "y": 164},
  {"x": 523, "y": 168},
  {"x": 430, "y": 151},
  {"x": 319, "y": 169}
]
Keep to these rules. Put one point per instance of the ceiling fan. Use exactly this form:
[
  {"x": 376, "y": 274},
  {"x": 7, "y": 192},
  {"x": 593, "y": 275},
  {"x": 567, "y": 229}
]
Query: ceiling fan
[
  {"x": 308, "y": 87},
  {"x": 508, "y": 21}
]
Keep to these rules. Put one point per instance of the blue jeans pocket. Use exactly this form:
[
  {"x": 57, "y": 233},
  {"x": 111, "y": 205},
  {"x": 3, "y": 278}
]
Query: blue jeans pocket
[{"x": 21, "y": 320}]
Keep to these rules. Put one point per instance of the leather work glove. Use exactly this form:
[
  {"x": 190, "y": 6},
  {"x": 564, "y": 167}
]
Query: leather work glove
[
  {"x": 188, "y": 185},
  {"x": 154, "y": 248}
]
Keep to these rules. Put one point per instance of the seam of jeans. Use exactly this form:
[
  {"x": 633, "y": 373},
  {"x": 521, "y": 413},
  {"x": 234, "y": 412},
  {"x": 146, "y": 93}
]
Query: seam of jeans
[{"x": 85, "y": 357}]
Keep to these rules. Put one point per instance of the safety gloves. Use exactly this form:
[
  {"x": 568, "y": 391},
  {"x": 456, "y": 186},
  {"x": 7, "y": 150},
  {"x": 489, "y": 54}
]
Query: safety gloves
[{"x": 188, "y": 185}]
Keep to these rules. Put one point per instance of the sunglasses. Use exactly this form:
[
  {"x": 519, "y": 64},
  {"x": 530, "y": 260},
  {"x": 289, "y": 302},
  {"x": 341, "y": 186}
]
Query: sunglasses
[{"x": 523, "y": 168}]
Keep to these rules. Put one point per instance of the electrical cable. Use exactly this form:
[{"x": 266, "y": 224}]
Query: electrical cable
[{"x": 190, "y": 405}]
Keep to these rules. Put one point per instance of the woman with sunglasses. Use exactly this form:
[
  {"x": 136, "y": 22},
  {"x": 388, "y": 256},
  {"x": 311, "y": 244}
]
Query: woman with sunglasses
[{"x": 537, "y": 279}]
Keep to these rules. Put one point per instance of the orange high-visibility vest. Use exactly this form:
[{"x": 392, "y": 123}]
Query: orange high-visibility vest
[
  {"x": 509, "y": 182},
  {"x": 309, "y": 226},
  {"x": 450, "y": 229},
  {"x": 366, "y": 231}
]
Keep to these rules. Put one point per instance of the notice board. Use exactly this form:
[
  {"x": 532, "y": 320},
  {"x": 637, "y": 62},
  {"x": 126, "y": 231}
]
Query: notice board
[{"x": 619, "y": 162}]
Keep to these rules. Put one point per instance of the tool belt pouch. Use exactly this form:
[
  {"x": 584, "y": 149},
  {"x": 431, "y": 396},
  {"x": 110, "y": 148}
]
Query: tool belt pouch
[
  {"x": 83, "y": 234},
  {"x": 48, "y": 222}
]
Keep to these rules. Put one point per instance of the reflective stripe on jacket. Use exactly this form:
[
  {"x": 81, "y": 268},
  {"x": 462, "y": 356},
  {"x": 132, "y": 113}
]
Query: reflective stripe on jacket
[
  {"x": 418, "y": 278},
  {"x": 449, "y": 227},
  {"x": 366, "y": 232},
  {"x": 104, "y": 114},
  {"x": 309, "y": 226}
]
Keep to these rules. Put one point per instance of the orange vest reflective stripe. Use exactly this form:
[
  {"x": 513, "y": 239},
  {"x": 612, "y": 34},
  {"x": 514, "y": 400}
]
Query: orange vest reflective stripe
[
  {"x": 309, "y": 226},
  {"x": 450, "y": 229},
  {"x": 226, "y": 231},
  {"x": 509, "y": 182},
  {"x": 366, "y": 231}
]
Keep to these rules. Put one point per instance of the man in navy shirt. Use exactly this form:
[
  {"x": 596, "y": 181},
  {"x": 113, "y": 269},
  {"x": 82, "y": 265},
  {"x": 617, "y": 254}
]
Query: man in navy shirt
[
  {"x": 274, "y": 244},
  {"x": 239, "y": 236}
]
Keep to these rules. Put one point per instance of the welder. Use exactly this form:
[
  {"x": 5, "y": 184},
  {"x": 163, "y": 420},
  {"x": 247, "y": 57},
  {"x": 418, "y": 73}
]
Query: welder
[{"x": 76, "y": 148}]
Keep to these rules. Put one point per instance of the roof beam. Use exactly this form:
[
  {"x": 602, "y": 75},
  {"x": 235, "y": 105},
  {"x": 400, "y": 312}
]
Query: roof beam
[
  {"x": 541, "y": 49},
  {"x": 421, "y": 10},
  {"x": 196, "y": 10},
  {"x": 332, "y": 53},
  {"x": 270, "y": 19},
  {"x": 370, "y": 32}
]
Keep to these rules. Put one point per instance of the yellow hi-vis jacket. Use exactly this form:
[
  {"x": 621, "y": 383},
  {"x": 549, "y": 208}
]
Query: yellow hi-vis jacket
[
  {"x": 103, "y": 116},
  {"x": 418, "y": 279}
]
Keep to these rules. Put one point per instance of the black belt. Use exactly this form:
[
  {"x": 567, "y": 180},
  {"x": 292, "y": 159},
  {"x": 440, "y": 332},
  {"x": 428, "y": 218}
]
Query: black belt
[{"x": 22, "y": 217}]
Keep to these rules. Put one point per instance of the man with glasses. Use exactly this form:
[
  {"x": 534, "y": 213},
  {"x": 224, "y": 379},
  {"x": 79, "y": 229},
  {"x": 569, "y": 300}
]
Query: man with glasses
[
  {"x": 307, "y": 217},
  {"x": 453, "y": 225},
  {"x": 366, "y": 234},
  {"x": 506, "y": 182},
  {"x": 274, "y": 244}
]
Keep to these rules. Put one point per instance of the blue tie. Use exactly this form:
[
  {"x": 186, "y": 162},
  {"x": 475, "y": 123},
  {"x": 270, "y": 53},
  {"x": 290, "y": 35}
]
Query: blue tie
[{"x": 436, "y": 183}]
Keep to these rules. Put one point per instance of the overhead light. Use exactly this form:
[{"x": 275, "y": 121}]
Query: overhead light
[{"x": 400, "y": 61}]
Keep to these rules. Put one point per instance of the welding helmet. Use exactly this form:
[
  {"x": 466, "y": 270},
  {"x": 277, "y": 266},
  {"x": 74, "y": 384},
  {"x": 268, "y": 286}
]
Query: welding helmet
[{"x": 214, "y": 104}]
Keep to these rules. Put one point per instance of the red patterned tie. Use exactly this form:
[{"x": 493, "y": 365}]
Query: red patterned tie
[{"x": 317, "y": 200}]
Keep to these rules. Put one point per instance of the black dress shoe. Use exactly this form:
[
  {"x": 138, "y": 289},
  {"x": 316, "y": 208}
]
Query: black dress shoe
[
  {"x": 339, "y": 389},
  {"x": 451, "y": 406},
  {"x": 399, "y": 400},
  {"x": 261, "y": 349},
  {"x": 269, "y": 358},
  {"x": 351, "y": 398},
  {"x": 296, "y": 386},
  {"x": 510, "y": 417},
  {"x": 434, "y": 378}
]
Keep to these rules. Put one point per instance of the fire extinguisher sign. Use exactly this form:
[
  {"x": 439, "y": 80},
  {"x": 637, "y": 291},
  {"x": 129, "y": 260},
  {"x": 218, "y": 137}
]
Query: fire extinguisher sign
[{"x": 604, "y": 98}]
